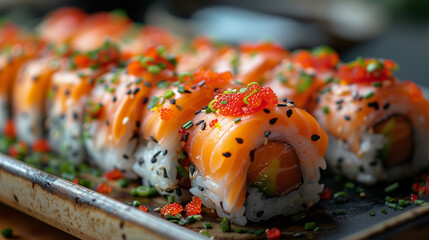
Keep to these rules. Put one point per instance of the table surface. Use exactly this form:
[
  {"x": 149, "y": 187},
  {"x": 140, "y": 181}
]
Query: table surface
[{"x": 26, "y": 227}]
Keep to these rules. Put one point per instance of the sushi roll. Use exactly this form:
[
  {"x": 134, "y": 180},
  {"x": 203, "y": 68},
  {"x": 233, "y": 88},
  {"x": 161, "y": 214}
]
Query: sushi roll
[
  {"x": 68, "y": 96},
  {"x": 35, "y": 77},
  {"x": 257, "y": 59},
  {"x": 201, "y": 53},
  {"x": 301, "y": 77},
  {"x": 115, "y": 107},
  {"x": 160, "y": 161},
  {"x": 378, "y": 126},
  {"x": 252, "y": 158}
]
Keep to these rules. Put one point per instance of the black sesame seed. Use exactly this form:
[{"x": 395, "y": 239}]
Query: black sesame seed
[
  {"x": 145, "y": 100},
  {"x": 137, "y": 124},
  {"x": 281, "y": 105},
  {"x": 187, "y": 91},
  {"x": 173, "y": 101},
  {"x": 205, "y": 107},
  {"x": 67, "y": 92},
  {"x": 199, "y": 122},
  {"x": 273, "y": 121},
  {"x": 339, "y": 101},
  {"x": 168, "y": 190},
  {"x": 386, "y": 106},
  {"x": 361, "y": 169},
  {"x": 315, "y": 137},
  {"x": 75, "y": 116},
  {"x": 221, "y": 204},
  {"x": 252, "y": 155},
  {"x": 156, "y": 154},
  {"x": 128, "y": 92},
  {"x": 360, "y": 98},
  {"x": 339, "y": 107},
  {"x": 141, "y": 161},
  {"x": 289, "y": 113},
  {"x": 374, "y": 105},
  {"x": 197, "y": 112},
  {"x": 260, "y": 213},
  {"x": 136, "y": 91},
  {"x": 107, "y": 122},
  {"x": 192, "y": 169},
  {"x": 153, "y": 139},
  {"x": 373, "y": 163},
  {"x": 178, "y": 192},
  {"x": 226, "y": 154},
  {"x": 185, "y": 137},
  {"x": 355, "y": 95},
  {"x": 340, "y": 160},
  {"x": 239, "y": 140},
  {"x": 147, "y": 84},
  {"x": 165, "y": 173},
  {"x": 125, "y": 156},
  {"x": 266, "y": 110},
  {"x": 193, "y": 87},
  {"x": 347, "y": 117},
  {"x": 284, "y": 99},
  {"x": 359, "y": 109},
  {"x": 153, "y": 160},
  {"x": 165, "y": 152},
  {"x": 114, "y": 99},
  {"x": 291, "y": 102},
  {"x": 35, "y": 77},
  {"x": 203, "y": 127},
  {"x": 267, "y": 133},
  {"x": 200, "y": 188}
]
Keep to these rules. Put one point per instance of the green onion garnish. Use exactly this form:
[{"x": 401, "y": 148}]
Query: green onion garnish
[
  {"x": 341, "y": 197},
  {"x": 225, "y": 225},
  {"x": 185, "y": 74},
  {"x": 372, "y": 213},
  {"x": 138, "y": 80},
  {"x": 154, "y": 69},
  {"x": 181, "y": 89},
  {"x": 224, "y": 102},
  {"x": 389, "y": 199},
  {"x": 305, "y": 81},
  {"x": 182, "y": 171},
  {"x": 237, "y": 120},
  {"x": 419, "y": 202},
  {"x": 168, "y": 94},
  {"x": 123, "y": 183},
  {"x": 246, "y": 97},
  {"x": 259, "y": 232},
  {"x": 309, "y": 226},
  {"x": 171, "y": 199},
  {"x": 325, "y": 110},
  {"x": 136, "y": 203},
  {"x": 145, "y": 191},
  {"x": 153, "y": 102},
  {"x": 377, "y": 84},
  {"x": 299, "y": 217},
  {"x": 384, "y": 211},
  {"x": 205, "y": 233},
  {"x": 188, "y": 125},
  {"x": 7, "y": 233},
  {"x": 391, "y": 188},
  {"x": 145, "y": 60},
  {"x": 349, "y": 185},
  {"x": 369, "y": 95},
  {"x": 243, "y": 90},
  {"x": 281, "y": 78},
  {"x": 252, "y": 83},
  {"x": 207, "y": 225},
  {"x": 239, "y": 230}
]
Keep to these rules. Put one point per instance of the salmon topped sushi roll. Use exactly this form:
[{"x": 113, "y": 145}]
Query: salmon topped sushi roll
[
  {"x": 378, "y": 126},
  {"x": 256, "y": 60},
  {"x": 115, "y": 108},
  {"x": 159, "y": 159},
  {"x": 68, "y": 96},
  {"x": 252, "y": 158},
  {"x": 301, "y": 77}
]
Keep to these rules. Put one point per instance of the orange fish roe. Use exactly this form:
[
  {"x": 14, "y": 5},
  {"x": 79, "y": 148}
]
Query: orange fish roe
[
  {"x": 41, "y": 145},
  {"x": 182, "y": 131},
  {"x": 367, "y": 71},
  {"x": 76, "y": 180},
  {"x": 143, "y": 208},
  {"x": 213, "y": 122},
  {"x": 104, "y": 188},
  {"x": 101, "y": 57},
  {"x": 273, "y": 233},
  {"x": 114, "y": 174},
  {"x": 166, "y": 114},
  {"x": 172, "y": 209},
  {"x": 261, "y": 47},
  {"x": 194, "y": 207},
  {"x": 18, "y": 149},
  {"x": 151, "y": 57},
  {"x": 321, "y": 58},
  {"x": 244, "y": 102},
  {"x": 208, "y": 77},
  {"x": 9, "y": 129}
]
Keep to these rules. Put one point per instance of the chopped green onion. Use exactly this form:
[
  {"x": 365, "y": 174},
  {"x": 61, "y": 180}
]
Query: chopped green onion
[
  {"x": 225, "y": 225},
  {"x": 154, "y": 69},
  {"x": 207, "y": 225},
  {"x": 349, "y": 185},
  {"x": 171, "y": 199},
  {"x": 136, "y": 203},
  {"x": 326, "y": 110},
  {"x": 369, "y": 95},
  {"x": 239, "y": 230},
  {"x": 133, "y": 192},
  {"x": 377, "y": 84},
  {"x": 281, "y": 78},
  {"x": 372, "y": 213},
  {"x": 153, "y": 102},
  {"x": 138, "y": 80},
  {"x": 224, "y": 102},
  {"x": 182, "y": 154},
  {"x": 259, "y": 232},
  {"x": 205, "y": 233},
  {"x": 168, "y": 94},
  {"x": 316, "y": 229},
  {"x": 181, "y": 89},
  {"x": 419, "y": 202},
  {"x": 305, "y": 81},
  {"x": 85, "y": 182},
  {"x": 384, "y": 211},
  {"x": 246, "y": 97},
  {"x": 373, "y": 66},
  {"x": 326, "y": 90},
  {"x": 252, "y": 83},
  {"x": 109, "y": 89},
  {"x": 182, "y": 171},
  {"x": 389, "y": 199},
  {"x": 163, "y": 84},
  {"x": 188, "y": 125},
  {"x": 360, "y": 189},
  {"x": 360, "y": 61},
  {"x": 402, "y": 203},
  {"x": 210, "y": 106},
  {"x": 171, "y": 217},
  {"x": 299, "y": 217},
  {"x": 237, "y": 120},
  {"x": 123, "y": 183},
  {"x": 391, "y": 188},
  {"x": 7, "y": 232},
  {"x": 341, "y": 197},
  {"x": 243, "y": 90},
  {"x": 392, "y": 205},
  {"x": 185, "y": 74},
  {"x": 145, "y": 191},
  {"x": 145, "y": 60},
  {"x": 309, "y": 226}
]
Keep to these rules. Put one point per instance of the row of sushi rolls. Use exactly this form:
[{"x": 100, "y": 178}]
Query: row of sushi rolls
[{"x": 245, "y": 128}]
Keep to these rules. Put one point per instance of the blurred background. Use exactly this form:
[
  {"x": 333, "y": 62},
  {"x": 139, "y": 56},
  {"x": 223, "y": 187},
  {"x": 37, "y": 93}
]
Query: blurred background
[{"x": 395, "y": 29}]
